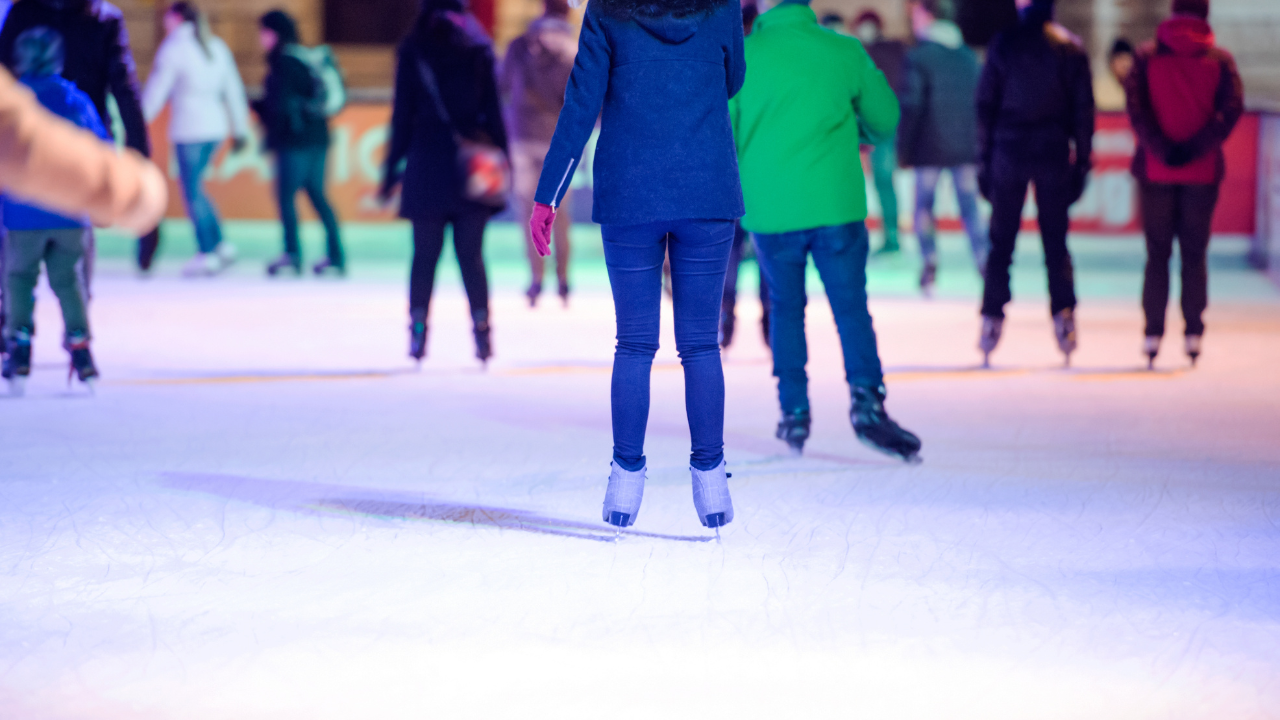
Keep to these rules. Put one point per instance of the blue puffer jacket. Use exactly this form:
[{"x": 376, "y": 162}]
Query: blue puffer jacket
[
  {"x": 65, "y": 100},
  {"x": 666, "y": 148}
]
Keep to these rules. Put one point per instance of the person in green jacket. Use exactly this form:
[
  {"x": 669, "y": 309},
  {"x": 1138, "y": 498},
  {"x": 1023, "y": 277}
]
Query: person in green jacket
[{"x": 796, "y": 123}]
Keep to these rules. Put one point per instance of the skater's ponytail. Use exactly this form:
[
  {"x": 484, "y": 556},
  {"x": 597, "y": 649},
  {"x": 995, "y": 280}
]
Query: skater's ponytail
[{"x": 190, "y": 13}]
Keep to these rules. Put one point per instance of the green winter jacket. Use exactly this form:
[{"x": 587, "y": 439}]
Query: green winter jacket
[{"x": 796, "y": 123}]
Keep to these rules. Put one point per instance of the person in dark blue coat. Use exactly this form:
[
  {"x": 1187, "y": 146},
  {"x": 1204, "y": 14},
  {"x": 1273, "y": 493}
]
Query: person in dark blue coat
[
  {"x": 659, "y": 74},
  {"x": 422, "y": 156}
]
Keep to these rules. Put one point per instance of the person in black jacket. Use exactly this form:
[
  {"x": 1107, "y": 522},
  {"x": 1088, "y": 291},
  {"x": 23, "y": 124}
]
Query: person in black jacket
[
  {"x": 298, "y": 134},
  {"x": 1035, "y": 125},
  {"x": 447, "y": 49},
  {"x": 98, "y": 61},
  {"x": 939, "y": 129}
]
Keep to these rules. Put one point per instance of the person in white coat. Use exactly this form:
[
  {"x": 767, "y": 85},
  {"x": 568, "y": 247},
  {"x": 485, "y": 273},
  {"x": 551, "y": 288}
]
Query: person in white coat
[{"x": 195, "y": 73}]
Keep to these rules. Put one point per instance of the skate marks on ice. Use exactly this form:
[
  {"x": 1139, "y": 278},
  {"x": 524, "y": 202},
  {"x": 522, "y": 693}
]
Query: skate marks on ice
[
  {"x": 240, "y": 378},
  {"x": 321, "y": 499},
  {"x": 1136, "y": 371}
]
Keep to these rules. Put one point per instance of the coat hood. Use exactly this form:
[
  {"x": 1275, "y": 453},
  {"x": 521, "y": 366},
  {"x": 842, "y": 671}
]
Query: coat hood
[
  {"x": 1186, "y": 35},
  {"x": 669, "y": 28}
]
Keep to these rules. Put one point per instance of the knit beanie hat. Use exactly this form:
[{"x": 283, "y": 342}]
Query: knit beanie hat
[
  {"x": 279, "y": 22},
  {"x": 38, "y": 52},
  {"x": 1198, "y": 8}
]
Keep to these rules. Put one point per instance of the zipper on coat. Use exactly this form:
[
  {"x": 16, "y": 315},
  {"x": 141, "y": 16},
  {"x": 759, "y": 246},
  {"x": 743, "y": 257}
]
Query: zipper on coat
[{"x": 555, "y": 201}]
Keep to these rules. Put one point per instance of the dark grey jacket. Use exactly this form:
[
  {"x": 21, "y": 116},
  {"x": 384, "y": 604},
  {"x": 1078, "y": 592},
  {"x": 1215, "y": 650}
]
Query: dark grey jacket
[{"x": 939, "y": 125}]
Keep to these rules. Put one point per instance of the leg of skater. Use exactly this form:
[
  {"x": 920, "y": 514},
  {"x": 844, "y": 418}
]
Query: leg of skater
[
  {"x": 1053, "y": 198},
  {"x": 884, "y": 161},
  {"x": 193, "y": 158},
  {"x": 965, "y": 179},
  {"x": 63, "y": 257},
  {"x": 926, "y": 226},
  {"x": 1159, "y": 213},
  {"x": 634, "y": 256},
  {"x": 468, "y": 245},
  {"x": 1195, "y": 225},
  {"x": 526, "y": 167},
  {"x": 699, "y": 256},
  {"x": 290, "y": 168},
  {"x": 428, "y": 241},
  {"x": 840, "y": 254},
  {"x": 729, "y": 298},
  {"x": 313, "y": 180},
  {"x": 562, "y": 230},
  {"x": 782, "y": 259},
  {"x": 1008, "y": 195},
  {"x": 23, "y": 254}
]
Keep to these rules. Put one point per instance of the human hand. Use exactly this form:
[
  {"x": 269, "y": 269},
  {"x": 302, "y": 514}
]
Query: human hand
[
  {"x": 1177, "y": 155},
  {"x": 540, "y": 228}
]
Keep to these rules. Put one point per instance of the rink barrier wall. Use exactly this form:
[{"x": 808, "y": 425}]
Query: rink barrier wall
[
  {"x": 1265, "y": 250},
  {"x": 242, "y": 183}
]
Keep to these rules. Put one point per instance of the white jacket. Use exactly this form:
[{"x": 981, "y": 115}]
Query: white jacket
[{"x": 206, "y": 93}]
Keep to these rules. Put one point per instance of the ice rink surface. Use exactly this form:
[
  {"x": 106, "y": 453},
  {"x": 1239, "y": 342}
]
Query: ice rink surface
[{"x": 266, "y": 512}]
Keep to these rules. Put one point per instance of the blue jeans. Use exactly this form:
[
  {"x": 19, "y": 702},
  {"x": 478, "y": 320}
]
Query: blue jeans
[
  {"x": 193, "y": 158},
  {"x": 965, "y": 180},
  {"x": 840, "y": 252},
  {"x": 634, "y": 254}
]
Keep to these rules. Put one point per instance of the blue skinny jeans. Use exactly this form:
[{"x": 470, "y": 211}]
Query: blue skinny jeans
[
  {"x": 840, "y": 252},
  {"x": 193, "y": 159},
  {"x": 965, "y": 180},
  {"x": 634, "y": 254}
]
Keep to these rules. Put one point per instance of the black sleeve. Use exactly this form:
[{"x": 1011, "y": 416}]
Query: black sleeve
[
  {"x": 990, "y": 96},
  {"x": 490, "y": 118},
  {"x": 1142, "y": 115},
  {"x": 123, "y": 81},
  {"x": 404, "y": 109},
  {"x": 1084, "y": 114},
  {"x": 914, "y": 100},
  {"x": 8, "y": 34}
]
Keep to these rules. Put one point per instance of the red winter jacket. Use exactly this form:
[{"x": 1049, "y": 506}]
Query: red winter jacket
[{"x": 1184, "y": 98}]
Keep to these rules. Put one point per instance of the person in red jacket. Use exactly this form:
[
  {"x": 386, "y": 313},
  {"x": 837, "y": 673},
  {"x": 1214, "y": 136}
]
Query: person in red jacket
[{"x": 1184, "y": 98}]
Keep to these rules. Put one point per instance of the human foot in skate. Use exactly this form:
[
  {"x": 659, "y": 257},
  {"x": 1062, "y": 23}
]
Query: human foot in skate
[
  {"x": 535, "y": 290},
  {"x": 483, "y": 334},
  {"x": 928, "y": 276},
  {"x": 417, "y": 336},
  {"x": 563, "y": 292},
  {"x": 1064, "y": 329},
  {"x": 82, "y": 365},
  {"x": 711, "y": 496},
  {"x": 329, "y": 265},
  {"x": 876, "y": 430},
  {"x": 283, "y": 263},
  {"x": 794, "y": 430},
  {"x": 623, "y": 496},
  {"x": 17, "y": 362},
  {"x": 989, "y": 337},
  {"x": 1151, "y": 347},
  {"x": 1193, "y": 348}
]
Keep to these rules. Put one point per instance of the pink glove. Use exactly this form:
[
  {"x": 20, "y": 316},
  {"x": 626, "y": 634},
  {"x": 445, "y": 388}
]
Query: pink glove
[{"x": 540, "y": 227}]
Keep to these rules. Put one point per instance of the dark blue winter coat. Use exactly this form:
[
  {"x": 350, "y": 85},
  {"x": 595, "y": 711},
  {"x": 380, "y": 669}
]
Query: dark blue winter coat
[{"x": 666, "y": 149}]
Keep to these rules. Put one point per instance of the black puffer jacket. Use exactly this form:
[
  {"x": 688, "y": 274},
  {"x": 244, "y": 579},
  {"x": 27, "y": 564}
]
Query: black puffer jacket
[
  {"x": 938, "y": 126},
  {"x": 98, "y": 59},
  {"x": 461, "y": 59},
  {"x": 1035, "y": 96},
  {"x": 287, "y": 92}
]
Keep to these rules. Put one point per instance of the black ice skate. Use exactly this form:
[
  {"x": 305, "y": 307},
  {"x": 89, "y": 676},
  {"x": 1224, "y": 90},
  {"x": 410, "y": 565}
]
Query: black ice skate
[
  {"x": 17, "y": 362},
  {"x": 1064, "y": 329},
  {"x": 329, "y": 265},
  {"x": 878, "y": 431},
  {"x": 483, "y": 334},
  {"x": 727, "y": 322},
  {"x": 989, "y": 338},
  {"x": 418, "y": 340},
  {"x": 283, "y": 263},
  {"x": 532, "y": 294},
  {"x": 928, "y": 276},
  {"x": 794, "y": 430},
  {"x": 1193, "y": 348},
  {"x": 82, "y": 365},
  {"x": 1151, "y": 347},
  {"x": 563, "y": 292}
]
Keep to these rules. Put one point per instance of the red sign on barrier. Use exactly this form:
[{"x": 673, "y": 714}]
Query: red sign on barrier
[{"x": 242, "y": 184}]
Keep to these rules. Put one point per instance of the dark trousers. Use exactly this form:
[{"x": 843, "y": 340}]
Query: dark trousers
[
  {"x": 840, "y": 253},
  {"x": 468, "y": 244},
  {"x": 634, "y": 255},
  {"x": 729, "y": 300},
  {"x": 148, "y": 247},
  {"x": 304, "y": 169},
  {"x": 1009, "y": 180},
  {"x": 1184, "y": 212}
]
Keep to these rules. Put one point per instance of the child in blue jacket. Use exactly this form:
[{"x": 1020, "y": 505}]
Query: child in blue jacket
[
  {"x": 37, "y": 235},
  {"x": 659, "y": 74}
]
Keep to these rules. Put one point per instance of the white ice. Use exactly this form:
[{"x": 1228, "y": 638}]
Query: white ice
[{"x": 266, "y": 513}]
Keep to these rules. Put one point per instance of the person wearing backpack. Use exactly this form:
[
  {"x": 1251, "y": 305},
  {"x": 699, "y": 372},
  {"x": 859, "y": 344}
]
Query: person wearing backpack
[
  {"x": 293, "y": 110},
  {"x": 195, "y": 73},
  {"x": 1185, "y": 97},
  {"x": 446, "y": 100}
]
